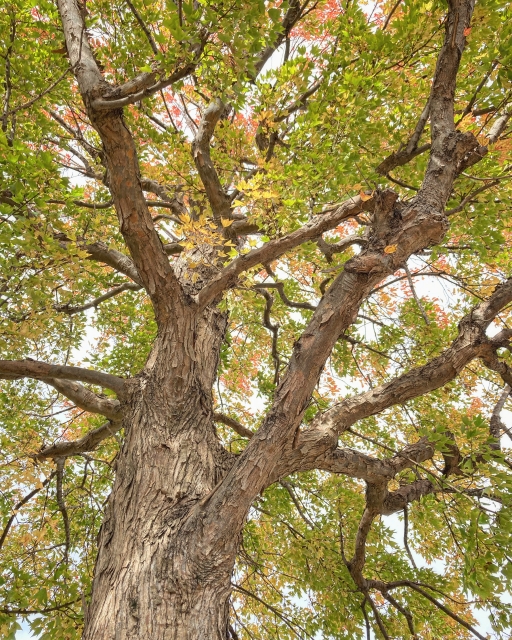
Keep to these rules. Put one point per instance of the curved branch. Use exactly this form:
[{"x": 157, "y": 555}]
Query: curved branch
[
  {"x": 314, "y": 447},
  {"x": 217, "y": 197},
  {"x": 286, "y": 300},
  {"x": 86, "y": 443},
  {"x": 16, "y": 369},
  {"x": 227, "y": 277},
  {"x": 121, "y": 160},
  {"x": 20, "y": 504},
  {"x": 86, "y": 399},
  {"x": 70, "y": 310}
]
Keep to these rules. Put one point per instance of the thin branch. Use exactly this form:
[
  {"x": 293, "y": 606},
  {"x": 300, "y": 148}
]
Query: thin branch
[
  {"x": 71, "y": 310},
  {"x": 390, "y": 15},
  {"x": 282, "y": 617},
  {"x": 28, "y": 104},
  {"x": 415, "y": 295},
  {"x": 60, "y": 462},
  {"x": 446, "y": 610},
  {"x": 144, "y": 27},
  {"x": 406, "y": 542},
  {"x": 296, "y": 502},
  {"x": 21, "y": 503},
  {"x": 378, "y": 619},
  {"x": 234, "y": 424},
  {"x": 470, "y": 104},
  {"x": 279, "y": 286},
  {"x": 400, "y": 183},
  {"x": 274, "y": 330},
  {"x": 29, "y": 612},
  {"x": 470, "y": 197}
]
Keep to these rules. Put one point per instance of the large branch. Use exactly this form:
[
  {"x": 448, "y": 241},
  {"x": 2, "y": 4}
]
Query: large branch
[
  {"x": 141, "y": 87},
  {"x": 86, "y": 399},
  {"x": 315, "y": 445},
  {"x": 273, "y": 249},
  {"x": 113, "y": 258},
  {"x": 217, "y": 197},
  {"x": 124, "y": 181},
  {"x": 16, "y": 369},
  {"x": 399, "y": 230}
]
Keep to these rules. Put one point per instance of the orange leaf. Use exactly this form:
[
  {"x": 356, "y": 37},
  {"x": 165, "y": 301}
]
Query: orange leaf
[
  {"x": 364, "y": 196},
  {"x": 391, "y": 248},
  {"x": 467, "y": 31}
]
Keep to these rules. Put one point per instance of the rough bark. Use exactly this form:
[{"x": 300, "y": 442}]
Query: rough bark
[{"x": 153, "y": 578}]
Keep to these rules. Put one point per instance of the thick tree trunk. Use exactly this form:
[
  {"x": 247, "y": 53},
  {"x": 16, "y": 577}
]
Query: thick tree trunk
[{"x": 157, "y": 576}]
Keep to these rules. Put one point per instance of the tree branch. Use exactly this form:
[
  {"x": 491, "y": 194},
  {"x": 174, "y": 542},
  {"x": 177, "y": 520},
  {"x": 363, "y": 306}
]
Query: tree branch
[
  {"x": 113, "y": 258},
  {"x": 135, "y": 220},
  {"x": 86, "y": 443},
  {"x": 234, "y": 424},
  {"x": 274, "y": 248},
  {"x": 315, "y": 445},
  {"x": 16, "y": 369},
  {"x": 86, "y": 399},
  {"x": 20, "y": 504},
  {"x": 70, "y": 310},
  {"x": 217, "y": 197}
]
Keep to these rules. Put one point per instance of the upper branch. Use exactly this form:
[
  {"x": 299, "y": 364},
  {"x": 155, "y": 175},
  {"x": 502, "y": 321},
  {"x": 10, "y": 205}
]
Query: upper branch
[
  {"x": 86, "y": 443},
  {"x": 136, "y": 224},
  {"x": 271, "y": 250},
  {"x": 450, "y": 148},
  {"x": 217, "y": 197},
  {"x": 16, "y": 369}
]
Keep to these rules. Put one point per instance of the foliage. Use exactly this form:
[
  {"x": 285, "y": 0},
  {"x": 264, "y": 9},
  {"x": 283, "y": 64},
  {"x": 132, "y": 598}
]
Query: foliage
[{"x": 342, "y": 92}]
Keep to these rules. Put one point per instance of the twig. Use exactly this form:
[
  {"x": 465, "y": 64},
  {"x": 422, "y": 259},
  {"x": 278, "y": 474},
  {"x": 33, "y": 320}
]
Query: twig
[
  {"x": 406, "y": 531},
  {"x": 144, "y": 27},
  {"x": 296, "y": 502},
  {"x": 415, "y": 295},
  {"x": 378, "y": 618},
  {"x": 62, "y": 506},
  {"x": 446, "y": 610},
  {"x": 390, "y": 15},
  {"x": 20, "y": 504},
  {"x": 28, "y": 104}
]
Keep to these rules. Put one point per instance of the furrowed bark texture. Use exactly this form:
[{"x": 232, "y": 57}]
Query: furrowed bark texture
[
  {"x": 172, "y": 526},
  {"x": 152, "y": 579}
]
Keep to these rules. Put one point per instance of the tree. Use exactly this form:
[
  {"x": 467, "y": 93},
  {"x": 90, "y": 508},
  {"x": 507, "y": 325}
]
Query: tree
[{"x": 255, "y": 298}]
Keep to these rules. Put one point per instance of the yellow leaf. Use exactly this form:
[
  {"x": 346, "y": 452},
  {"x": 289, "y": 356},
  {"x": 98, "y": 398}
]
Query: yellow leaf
[
  {"x": 226, "y": 223},
  {"x": 391, "y": 248},
  {"x": 364, "y": 196}
]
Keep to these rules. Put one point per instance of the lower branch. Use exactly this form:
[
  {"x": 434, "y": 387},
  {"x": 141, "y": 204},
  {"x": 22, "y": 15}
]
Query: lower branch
[
  {"x": 16, "y": 369},
  {"x": 86, "y": 443},
  {"x": 86, "y": 399}
]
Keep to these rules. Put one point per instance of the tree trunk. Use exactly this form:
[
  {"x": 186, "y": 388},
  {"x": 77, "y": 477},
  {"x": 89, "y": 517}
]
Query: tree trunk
[{"x": 157, "y": 574}]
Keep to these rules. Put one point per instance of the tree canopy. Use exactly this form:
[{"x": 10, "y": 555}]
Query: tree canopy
[{"x": 273, "y": 140}]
